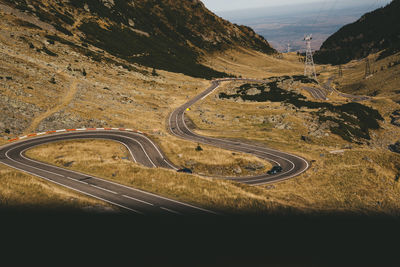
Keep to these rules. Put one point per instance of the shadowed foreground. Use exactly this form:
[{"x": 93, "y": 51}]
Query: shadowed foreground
[{"x": 74, "y": 239}]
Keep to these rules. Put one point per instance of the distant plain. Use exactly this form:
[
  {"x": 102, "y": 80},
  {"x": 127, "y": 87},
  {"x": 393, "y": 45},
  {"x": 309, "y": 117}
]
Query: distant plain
[{"x": 283, "y": 25}]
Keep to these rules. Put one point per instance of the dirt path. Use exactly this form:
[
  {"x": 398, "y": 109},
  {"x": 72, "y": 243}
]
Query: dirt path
[{"x": 66, "y": 100}]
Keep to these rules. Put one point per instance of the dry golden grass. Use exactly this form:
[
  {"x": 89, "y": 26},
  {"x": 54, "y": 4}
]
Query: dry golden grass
[
  {"x": 20, "y": 190},
  {"x": 107, "y": 96},
  {"x": 249, "y": 120},
  {"x": 211, "y": 161},
  {"x": 245, "y": 120},
  {"x": 65, "y": 101},
  {"x": 253, "y": 64},
  {"x": 384, "y": 81},
  {"x": 360, "y": 181},
  {"x": 103, "y": 159},
  {"x": 112, "y": 96}
]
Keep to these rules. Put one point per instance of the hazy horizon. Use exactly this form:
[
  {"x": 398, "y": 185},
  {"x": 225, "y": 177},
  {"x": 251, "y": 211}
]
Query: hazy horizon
[
  {"x": 231, "y": 5},
  {"x": 287, "y": 21}
]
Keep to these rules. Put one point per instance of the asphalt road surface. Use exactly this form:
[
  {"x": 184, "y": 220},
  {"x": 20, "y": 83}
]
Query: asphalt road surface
[
  {"x": 292, "y": 165},
  {"x": 316, "y": 92},
  {"x": 144, "y": 151},
  {"x": 322, "y": 93},
  {"x": 356, "y": 98}
]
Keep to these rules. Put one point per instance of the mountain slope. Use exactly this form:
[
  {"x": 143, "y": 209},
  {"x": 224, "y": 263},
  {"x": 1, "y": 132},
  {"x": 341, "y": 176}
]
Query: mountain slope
[
  {"x": 163, "y": 34},
  {"x": 375, "y": 31}
]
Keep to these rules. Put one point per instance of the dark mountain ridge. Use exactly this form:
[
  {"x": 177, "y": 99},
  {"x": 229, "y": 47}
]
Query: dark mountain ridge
[
  {"x": 162, "y": 34},
  {"x": 374, "y": 32}
]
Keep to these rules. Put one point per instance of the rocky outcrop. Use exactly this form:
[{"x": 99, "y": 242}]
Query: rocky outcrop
[
  {"x": 395, "y": 118},
  {"x": 67, "y": 120},
  {"x": 15, "y": 115},
  {"x": 163, "y": 34},
  {"x": 395, "y": 148}
]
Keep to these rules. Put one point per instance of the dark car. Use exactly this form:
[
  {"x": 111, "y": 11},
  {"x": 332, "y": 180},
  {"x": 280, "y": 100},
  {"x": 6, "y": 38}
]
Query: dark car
[
  {"x": 275, "y": 170},
  {"x": 185, "y": 170}
]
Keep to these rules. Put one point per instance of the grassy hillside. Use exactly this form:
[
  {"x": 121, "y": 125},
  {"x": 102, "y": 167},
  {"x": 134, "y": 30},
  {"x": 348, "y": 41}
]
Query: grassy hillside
[
  {"x": 165, "y": 34},
  {"x": 23, "y": 192},
  {"x": 375, "y": 31},
  {"x": 52, "y": 80},
  {"x": 383, "y": 81}
]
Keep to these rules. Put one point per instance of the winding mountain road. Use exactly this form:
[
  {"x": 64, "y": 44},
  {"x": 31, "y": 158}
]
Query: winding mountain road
[
  {"x": 292, "y": 165},
  {"x": 356, "y": 98},
  {"x": 316, "y": 93},
  {"x": 144, "y": 151}
]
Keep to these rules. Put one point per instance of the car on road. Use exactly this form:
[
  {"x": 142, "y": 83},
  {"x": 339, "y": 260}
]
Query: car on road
[
  {"x": 275, "y": 170},
  {"x": 185, "y": 170}
]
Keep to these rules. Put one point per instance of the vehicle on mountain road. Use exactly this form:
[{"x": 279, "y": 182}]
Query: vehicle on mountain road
[{"x": 275, "y": 170}]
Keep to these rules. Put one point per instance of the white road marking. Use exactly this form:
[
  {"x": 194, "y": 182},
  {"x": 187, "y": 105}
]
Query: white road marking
[
  {"x": 101, "y": 188},
  {"x": 208, "y": 140},
  {"x": 138, "y": 200},
  {"x": 176, "y": 115},
  {"x": 169, "y": 210},
  {"x": 210, "y": 92},
  {"x": 245, "y": 145},
  {"x": 131, "y": 188},
  {"x": 173, "y": 167},
  {"x": 77, "y": 190}
]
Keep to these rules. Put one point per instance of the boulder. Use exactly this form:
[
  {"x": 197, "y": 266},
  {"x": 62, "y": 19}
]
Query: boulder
[
  {"x": 395, "y": 148},
  {"x": 108, "y": 3},
  {"x": 396, "y": 118},
  {"x": 237, "y": 170},
  {"x": 253, "y": 91},
  {"x": 396, "y": 121},
  {"x": 306, "y": 139}
]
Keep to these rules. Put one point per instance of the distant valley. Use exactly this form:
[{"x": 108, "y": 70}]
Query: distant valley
[{"x": 283, "y": 25}]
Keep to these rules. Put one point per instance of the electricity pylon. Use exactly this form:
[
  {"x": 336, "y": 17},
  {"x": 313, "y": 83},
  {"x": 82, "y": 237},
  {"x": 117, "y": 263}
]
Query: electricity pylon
[
  {"x": 309, "y": 70},
  {"x": 367, "y": 68},
  {"x": 288, "y": 48}
]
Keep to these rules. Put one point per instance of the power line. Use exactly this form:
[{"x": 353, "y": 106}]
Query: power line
[{"x": 309, "y": 69}]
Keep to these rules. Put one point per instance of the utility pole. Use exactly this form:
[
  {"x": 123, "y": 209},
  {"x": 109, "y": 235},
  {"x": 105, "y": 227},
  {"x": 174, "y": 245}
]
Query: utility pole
[
  {"x": 309, "y": 70},
  {"x": 340, "y": 71},
  {"x": 367, "y": 68}
]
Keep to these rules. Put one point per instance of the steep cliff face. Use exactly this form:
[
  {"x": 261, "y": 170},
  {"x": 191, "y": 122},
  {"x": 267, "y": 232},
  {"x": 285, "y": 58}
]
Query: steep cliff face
[
  {"x": 373, "y": 32},
  {"x": 164, "y": 34}
]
